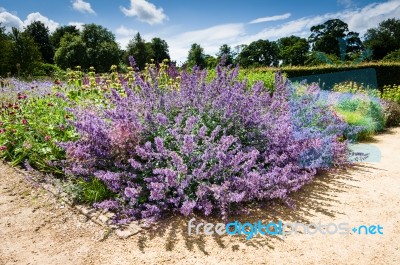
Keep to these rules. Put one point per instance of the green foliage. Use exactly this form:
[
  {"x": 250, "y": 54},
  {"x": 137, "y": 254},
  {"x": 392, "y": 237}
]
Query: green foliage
[
  {"x": 293, "y": 50},
  {"x": 211, "y": 61},
  {"x": 6, "y": 51},
  {"x": 31, "y": 130},
  {"x": 159, "y": 50},
  {"x": 320, "y": 58},
  {"x": 26, "y": 55},
  {"x": 226, "y": 51},
  {"x": 391, "y": 93},
  {"x": 60, "y": 32},
  {"x": 196, "y": 56},
  {"x": 95, "y": 46},
  {"x": 384, "y": 39},
  {"x": 259, "y": 53},
  {"x": 101, "y": 49},
  {"x": 359, "y": 120},
  {"x": 324, "y": 38},
  {"x": 139, "y": 50},
  {"x": 253, "y": 76},
  {"x": 72, "y": 52},
  {"x": 356, "y": 88},
  {"x": 364, "y": 112},
  {"x": 49, "y": 70},
  {"x": 40, "y": 34},
  {"x": 146, "y": 52},
  {"x": 90, "y": 191},
  {"x": 394, "y": 56}
]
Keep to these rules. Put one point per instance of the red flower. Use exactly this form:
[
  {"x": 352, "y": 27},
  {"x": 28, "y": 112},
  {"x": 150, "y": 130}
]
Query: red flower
[
  {"x": 24, "y": 121},
  {"x": 47, "y": 138},
  {"x": 21, "y": 96},
  {"x": 3, "y": 147}
]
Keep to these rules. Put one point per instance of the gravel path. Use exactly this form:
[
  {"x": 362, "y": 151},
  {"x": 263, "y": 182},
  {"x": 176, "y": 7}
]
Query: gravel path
[{"x": 35, "y": 228}]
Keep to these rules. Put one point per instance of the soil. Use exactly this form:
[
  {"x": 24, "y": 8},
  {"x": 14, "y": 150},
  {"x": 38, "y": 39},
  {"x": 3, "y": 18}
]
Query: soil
[{"x": 37, "y": 228}]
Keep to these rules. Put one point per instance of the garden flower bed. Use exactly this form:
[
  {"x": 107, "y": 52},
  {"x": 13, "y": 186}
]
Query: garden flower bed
[{"x": 143, "y": 145}]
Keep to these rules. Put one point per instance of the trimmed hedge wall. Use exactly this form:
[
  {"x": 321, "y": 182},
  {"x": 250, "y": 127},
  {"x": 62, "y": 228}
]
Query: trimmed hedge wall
[{"x": 386, "y": 73}]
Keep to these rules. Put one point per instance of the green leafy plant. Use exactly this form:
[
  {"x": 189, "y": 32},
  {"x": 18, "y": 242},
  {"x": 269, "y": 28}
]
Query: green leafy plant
[
  {"x": 391, "y": 93},
  {"x": 363, "y": 112},
  {"x": 91, "y": 191},
  {"x": 31, "y": 129}
]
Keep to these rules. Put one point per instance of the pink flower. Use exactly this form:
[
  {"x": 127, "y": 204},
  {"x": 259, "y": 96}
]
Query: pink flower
[
  {"x": 24, "y": 121},
  {"x": 3, "y": 147},
  {"x": 47, "y": 138}
]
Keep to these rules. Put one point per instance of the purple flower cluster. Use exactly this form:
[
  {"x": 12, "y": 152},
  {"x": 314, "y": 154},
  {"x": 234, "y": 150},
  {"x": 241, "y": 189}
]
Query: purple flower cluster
[{"x": 208, "y": 146}]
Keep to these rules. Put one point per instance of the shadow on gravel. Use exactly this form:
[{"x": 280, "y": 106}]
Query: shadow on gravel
[{"x": 318, "y": 197}]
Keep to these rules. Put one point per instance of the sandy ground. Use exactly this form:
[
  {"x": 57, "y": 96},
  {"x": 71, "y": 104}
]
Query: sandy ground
[{"x": 37, "y": 229}]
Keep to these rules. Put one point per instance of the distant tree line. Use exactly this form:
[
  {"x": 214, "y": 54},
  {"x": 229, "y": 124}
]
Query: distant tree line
[{"x": 36, "y": 51}]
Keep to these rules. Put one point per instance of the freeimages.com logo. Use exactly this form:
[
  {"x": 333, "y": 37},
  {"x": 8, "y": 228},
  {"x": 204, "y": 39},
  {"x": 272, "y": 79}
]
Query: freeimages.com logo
[{"x": 280, "y": 229}]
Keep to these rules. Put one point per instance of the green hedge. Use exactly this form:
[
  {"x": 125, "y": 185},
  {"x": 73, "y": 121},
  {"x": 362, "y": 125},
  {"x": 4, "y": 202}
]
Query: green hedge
[{"x": 386, "y": 73}]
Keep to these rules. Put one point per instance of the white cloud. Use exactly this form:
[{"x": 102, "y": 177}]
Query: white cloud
[
  {"x": 124, "y": 35},
  {"x": 124, "y": 31},
  {"x": 82, "y": 6},
  {"x": 145, "y": 12},
  {"x": 272, "y": 18},
  {"x": 51, "y": 24},
  {"x": 371, "y": 15},
  {"x": 359, "y": 20},
  {"x": 78, "y": 25},
  {"x": 346, "y": 3},
  {"x": 2, "y": 9},
  {"x": 9, "y": 20}
]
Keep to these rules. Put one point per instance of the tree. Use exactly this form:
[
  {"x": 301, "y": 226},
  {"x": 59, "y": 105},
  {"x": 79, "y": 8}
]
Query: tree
[
  {"x": 383, "y": 39},
  {"x": 259, "y": 53},
  {"x": 26, "y": 54},
  {"x": 226, "y": 50},
  {"x": 95, "y": 46},
  {"x": 324, "y": 38},
  {"x": 293, "y": 50},
  {"x": 159, "y": 50},
  {"x": 6, "y": 49},
  {"x": 40, "y": 34},
  {"x": 101, "y": 49},
  {"x": 139, "y": 50},
  {"x": 72, "y": 52},
  {"x": 394, "y": 56},
  {"x": 196, "y": 56},
  {"x": 320, "y": 58},
  {"x": 211, "y": 61},
  {"x": 57, "y": 35}
]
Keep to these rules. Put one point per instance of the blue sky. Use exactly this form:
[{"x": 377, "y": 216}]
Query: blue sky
[{"x": 209, "y": 23}]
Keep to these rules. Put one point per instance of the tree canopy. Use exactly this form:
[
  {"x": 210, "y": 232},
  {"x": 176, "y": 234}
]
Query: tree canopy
[
  {"x": 293, "y": 50},
  {"x": 326, "y": 38},
  {"x": 40, "y": 34},
  {"x": 384, "y": 39}
]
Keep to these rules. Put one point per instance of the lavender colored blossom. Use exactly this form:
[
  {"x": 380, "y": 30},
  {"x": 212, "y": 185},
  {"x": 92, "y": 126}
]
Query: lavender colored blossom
[{"x": 208, "y": 146}]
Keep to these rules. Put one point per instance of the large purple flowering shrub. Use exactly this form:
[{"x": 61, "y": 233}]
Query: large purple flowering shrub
[{"x": 207, "y": 146}]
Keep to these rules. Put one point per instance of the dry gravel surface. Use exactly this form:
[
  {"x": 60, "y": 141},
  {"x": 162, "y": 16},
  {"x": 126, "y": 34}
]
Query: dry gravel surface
[{"x": 38, "y": 228}]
